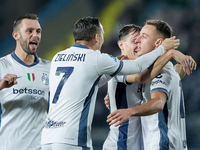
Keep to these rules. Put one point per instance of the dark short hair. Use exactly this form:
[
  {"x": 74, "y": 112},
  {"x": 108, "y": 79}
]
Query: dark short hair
[
  {"x": 26, "y": 16},
  {"x": 125, "y": 30},
  {"x": 162, "y": 27},
  {"x": 85, "y": 28}
]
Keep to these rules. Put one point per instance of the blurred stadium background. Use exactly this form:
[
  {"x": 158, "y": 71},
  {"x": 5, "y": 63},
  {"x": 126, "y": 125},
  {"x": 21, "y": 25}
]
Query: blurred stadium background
[{"x": 57, "y": 18}]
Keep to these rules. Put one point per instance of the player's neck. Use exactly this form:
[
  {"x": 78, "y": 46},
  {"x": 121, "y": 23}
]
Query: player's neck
[
  {"x": 28, "y": 59},
  {"x": 90, "y": 44}
]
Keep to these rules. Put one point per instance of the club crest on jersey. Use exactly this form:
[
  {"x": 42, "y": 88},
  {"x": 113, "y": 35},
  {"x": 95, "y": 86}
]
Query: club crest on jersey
[
  {"x": 31, "y": 76},
  {"x": 45, "y": 79}
]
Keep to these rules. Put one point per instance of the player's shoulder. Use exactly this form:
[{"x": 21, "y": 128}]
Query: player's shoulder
[
  {"x": 169, "y": 65},
  {"x": 45, "y": 61},
  {"x": 168, "y": 68},
  {"x": 107, "y": 56},
  {"x": 5, "y": 59}
]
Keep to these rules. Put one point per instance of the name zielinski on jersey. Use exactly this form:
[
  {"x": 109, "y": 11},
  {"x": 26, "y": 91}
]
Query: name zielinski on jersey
[{"x": 70, "y": 57}]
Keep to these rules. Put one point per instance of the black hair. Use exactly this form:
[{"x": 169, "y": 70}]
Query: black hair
[
  {"x": 26, "y": 16},
  {"x": 85, "y": 28}
]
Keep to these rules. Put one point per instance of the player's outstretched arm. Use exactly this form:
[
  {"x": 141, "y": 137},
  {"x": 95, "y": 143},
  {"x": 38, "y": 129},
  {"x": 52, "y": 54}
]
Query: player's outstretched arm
[
  {"x": 156, "y": 104},
  {"x": 187, "y": 62},
  {"x": 8, "y": 81},
  {"x": 146, "y": 60},
  {"x": 143, "y": 62},
  {"x": 153, "y": 70}
]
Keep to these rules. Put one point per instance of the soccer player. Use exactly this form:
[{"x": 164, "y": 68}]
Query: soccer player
[
  {"x": 24, "y": 88},
  {"x": 164, "y": 128},
  {"x": 74, "y": 80},
  {"x": 128, "y": 136}
]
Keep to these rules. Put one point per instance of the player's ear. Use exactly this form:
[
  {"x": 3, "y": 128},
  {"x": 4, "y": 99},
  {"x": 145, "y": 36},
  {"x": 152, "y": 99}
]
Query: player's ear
[
  {"x": 120, "y": 44},
  {"x": 96, "y": 37},
  {"x": 15, "y": 35},
  {"x": 158, "y": 42}
]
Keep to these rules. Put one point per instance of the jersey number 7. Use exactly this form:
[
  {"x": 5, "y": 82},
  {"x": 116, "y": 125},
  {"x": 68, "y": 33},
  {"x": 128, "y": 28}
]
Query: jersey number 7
[{"x": 67, "y": 72}]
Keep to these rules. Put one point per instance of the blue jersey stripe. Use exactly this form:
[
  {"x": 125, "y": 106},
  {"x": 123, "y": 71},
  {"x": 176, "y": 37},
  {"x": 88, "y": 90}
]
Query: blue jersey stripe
[
  {"x": 182, "y": 107},
  {"x": 79, "y": 45},
  {"x": 162, "y": 90},
  {"x": 82, "y": 135},
  {"x": 22, "y": 63},
  {"x": 121, "y": 102},
  {"x": 118, "y": 70},
  {"x": 162, "y": 124},
  {"x": 123, "y": 135}
]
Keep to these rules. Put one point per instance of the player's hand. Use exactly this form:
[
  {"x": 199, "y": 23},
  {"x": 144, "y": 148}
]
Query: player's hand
[
  {"x": 189, "y": 65},
  {"x": 106, "y": 101},
  {"x": 122, "y": 57},
  {"x": 170, "y": 43},
  {"x": 8, "y": 81},
  {"x": 187, "y": 62},
  {"x": 119, "y": 116}
]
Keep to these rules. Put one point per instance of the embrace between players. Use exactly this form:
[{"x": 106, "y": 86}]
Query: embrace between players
[{"x": 73, "y": 86}]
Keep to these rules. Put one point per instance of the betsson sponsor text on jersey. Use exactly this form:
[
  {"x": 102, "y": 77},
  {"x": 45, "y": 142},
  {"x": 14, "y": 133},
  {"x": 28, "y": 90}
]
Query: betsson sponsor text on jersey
[{"x": 28, "y": 91}]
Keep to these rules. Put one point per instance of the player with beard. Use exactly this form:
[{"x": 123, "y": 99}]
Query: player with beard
[{"x": 24, "y": 88}]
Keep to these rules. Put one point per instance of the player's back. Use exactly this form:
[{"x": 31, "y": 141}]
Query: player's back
[{"x": 74, "y": 77}]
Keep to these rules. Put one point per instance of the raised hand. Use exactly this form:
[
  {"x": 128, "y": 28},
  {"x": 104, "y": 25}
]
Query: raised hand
[
  {"x": 190, "y": 65},
  {"x": 8, "y": 81},
  {"x": 187, "y": 62},
  {"x": 170, "y": 43}
]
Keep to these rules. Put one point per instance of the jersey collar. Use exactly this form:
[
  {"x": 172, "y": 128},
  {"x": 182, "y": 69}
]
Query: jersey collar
[
  {"x": 79, "y": 45},
  {"x": 22, "y": 63}
]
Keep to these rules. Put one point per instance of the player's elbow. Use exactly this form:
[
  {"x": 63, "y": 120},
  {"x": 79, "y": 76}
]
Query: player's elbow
[
  {"x": 160, "y": 106},
  {"x": 141, "y": 79}
]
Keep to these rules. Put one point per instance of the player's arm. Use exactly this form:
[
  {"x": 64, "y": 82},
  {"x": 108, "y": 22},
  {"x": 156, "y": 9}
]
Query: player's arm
[
  {"x": 187, "y": 62},
  {"x": 156, "y": 104},
  {"x": 185, "y": 66},
  {"x": 8, "y": 81},
  {"x": 146, "y": 60},
  {"x": 180, "y": 70}
]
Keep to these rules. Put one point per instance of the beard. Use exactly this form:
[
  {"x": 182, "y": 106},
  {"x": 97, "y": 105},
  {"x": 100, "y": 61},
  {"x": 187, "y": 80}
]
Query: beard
[{"x": 26, "y": 48}]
